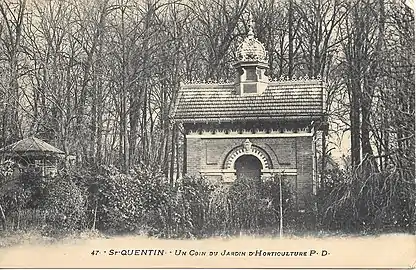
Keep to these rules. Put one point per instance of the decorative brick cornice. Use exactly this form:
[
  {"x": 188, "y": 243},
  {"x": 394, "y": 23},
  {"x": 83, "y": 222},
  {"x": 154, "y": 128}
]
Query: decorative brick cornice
[{"x": 285, "y": 132}]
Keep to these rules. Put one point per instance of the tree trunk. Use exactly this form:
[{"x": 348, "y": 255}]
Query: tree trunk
[
  {"x": 3, "y": 218},
  {"x": 291, "y": 37}
]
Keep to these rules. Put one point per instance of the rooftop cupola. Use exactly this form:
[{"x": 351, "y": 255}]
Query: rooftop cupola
[{"x": 251, "y": 65}]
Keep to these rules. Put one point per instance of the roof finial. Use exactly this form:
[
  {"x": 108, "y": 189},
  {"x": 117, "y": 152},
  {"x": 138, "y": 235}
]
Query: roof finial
[
  {"x": 251, "y": 48},
  {"x": 250, "y": 25}
]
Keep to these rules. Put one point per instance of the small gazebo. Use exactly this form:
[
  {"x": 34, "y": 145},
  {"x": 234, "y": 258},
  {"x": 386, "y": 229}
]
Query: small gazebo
[{"x": 33, "y": 153}]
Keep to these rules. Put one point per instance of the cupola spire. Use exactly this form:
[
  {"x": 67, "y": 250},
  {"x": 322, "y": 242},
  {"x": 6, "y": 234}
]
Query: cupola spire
[{"x": 250, "y": 33}]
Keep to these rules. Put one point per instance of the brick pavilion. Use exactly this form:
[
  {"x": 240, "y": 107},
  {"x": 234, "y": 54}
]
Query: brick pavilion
[{"x": 253, "y": 127}]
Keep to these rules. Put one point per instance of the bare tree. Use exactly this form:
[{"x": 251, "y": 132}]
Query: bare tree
[{"x": 11, "y": 31}]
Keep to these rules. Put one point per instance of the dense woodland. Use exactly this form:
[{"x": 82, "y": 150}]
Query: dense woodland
[{"x": 98, "y": 79}]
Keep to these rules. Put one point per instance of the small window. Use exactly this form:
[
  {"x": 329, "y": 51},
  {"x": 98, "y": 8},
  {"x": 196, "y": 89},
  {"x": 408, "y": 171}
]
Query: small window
[
  {"x": 251, "y": 75},
  {"x": 250, "y": 88}
]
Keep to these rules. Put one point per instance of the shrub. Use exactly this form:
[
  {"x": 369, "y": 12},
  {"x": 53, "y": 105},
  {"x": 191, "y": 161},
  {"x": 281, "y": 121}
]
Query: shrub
[
  {"x": 64, "y": 204},
  {"x": 256, "y": 204},
  {"x": 24, "y": 191},
  {"x": 18, "y": 194},
  {"x": 362, "y": 201},
  {"x": 248, "y": 205},
  {"x": 118, "y": 203},
  {"x": 244, "y": 199},
  {"x": 190, "y": 206},
  {"x": 136, "y": 202},
  {"x": 270, "y": 200},
  {"x": 218, "y": 216},
  {"x": 155, "y": 196}
]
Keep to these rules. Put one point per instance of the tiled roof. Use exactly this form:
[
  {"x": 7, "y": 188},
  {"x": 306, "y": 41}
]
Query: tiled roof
[
  {"x": 281, "y": 100},
  {"x": 31, "y": 145}
]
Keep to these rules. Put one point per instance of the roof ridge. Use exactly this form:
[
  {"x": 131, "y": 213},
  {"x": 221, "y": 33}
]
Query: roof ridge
[
  {"x": 35, "y": 140},
  {"x": 31, "y": 143},
  {"x": 207, "y": 85}
]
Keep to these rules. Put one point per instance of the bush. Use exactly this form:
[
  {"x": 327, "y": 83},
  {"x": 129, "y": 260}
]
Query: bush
[
  {"x": 369, "y": 201},
  {"x": 190, "y": 206},
  {"x": 22, "y": 192},
  {"x": 64, "y": 205},
  {"x": 218, "y": 216},
  {"x": 248, "y": 205},
  {"x": 138, "y": 202},
  {"x": 118, "y": 203},
  {"x": 255, "y": 205},
  {"x": 155, "y": 196},
  {"x": 31, "y": 201},
  {"x": 146, "y": 202}
]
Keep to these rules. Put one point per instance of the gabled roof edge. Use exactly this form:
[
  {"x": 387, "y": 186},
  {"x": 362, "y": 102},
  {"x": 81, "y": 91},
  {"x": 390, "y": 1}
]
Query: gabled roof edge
[{"x": 176, "y": 102}]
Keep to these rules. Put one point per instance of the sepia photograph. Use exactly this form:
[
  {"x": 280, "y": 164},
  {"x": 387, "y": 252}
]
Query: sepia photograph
[{"x": 207, "y": 134}]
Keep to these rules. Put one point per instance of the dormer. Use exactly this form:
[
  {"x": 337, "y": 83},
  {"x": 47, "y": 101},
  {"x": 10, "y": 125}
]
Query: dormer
[{"x": 251, "y": 65}]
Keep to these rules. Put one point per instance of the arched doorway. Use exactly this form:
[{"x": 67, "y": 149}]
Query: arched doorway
[{"x": 248, "y": 167}]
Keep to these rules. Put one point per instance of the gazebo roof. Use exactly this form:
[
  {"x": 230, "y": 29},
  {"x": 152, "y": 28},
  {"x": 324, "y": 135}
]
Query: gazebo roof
[{"x": 31, "y": 146}]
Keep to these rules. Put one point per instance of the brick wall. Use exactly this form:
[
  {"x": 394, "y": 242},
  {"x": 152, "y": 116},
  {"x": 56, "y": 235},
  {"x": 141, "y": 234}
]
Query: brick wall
[
  {"x": 194, "y": 151},
  {"x": 294, "y": 153},
  {"x": 280, "y": 150},
  {"x": 305, "y": 170}
]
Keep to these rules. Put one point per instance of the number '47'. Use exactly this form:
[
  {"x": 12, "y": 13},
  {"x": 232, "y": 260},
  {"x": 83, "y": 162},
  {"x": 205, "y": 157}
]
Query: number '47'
[{"x": 95, "y": 252}]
